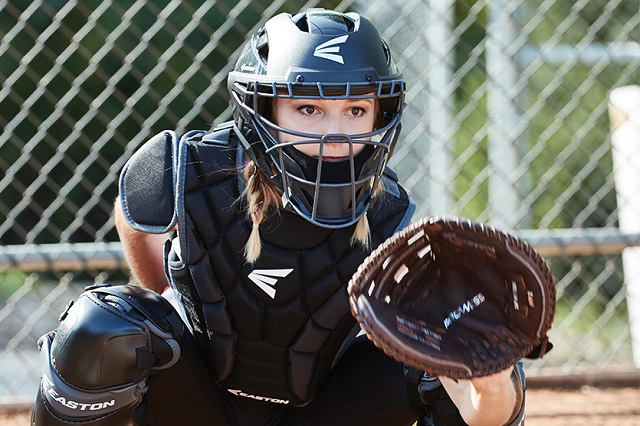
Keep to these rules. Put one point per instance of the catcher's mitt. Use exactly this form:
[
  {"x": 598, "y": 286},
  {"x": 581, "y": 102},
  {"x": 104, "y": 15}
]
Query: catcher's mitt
[{"x": 455, "y": 298}]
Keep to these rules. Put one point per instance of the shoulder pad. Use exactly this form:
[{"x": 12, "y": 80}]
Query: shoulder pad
[
  {"x": 388, "y": 172},
  {"x": 147, "y": 185},
  {"x": 390, "y": 182},
  {"x": 227, "y": 125},
  {"x": 398, "y": 203},
  {"x": 219, "y": 136}
]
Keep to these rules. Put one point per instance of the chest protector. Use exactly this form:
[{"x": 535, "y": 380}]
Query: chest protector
[{"x": 271, "y": 330}]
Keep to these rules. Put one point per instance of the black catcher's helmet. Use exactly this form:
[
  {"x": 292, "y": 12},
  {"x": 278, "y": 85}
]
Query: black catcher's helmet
[{"x": 318, "y": 54}]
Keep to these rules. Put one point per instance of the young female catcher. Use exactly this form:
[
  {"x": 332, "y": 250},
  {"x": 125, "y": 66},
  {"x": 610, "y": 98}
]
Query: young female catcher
[{"x": 255, "y": 228}]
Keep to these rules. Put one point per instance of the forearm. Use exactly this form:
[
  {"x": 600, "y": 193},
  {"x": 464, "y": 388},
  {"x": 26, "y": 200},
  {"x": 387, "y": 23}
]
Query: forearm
[
  {"x": 144, "y": 252},
  {"x": 486, "y": 401}
]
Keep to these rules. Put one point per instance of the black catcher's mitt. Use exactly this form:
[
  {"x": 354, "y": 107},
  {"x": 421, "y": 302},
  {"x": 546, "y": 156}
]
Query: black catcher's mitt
[{"x": 455, "y": 298}]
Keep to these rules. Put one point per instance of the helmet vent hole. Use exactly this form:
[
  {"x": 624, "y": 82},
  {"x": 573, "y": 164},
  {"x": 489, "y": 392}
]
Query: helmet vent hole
[
  {"x": 264, "y": 53},
  {"x": 262, "y": 46},
  {"x": 323, "y": 22},
  {"x": 303, "y": 24}
]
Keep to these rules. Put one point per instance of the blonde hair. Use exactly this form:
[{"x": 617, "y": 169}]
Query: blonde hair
[{"x": 261, "y": 196}]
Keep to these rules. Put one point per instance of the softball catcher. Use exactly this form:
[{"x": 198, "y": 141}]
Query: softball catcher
[{"x": 255, "y": 228}]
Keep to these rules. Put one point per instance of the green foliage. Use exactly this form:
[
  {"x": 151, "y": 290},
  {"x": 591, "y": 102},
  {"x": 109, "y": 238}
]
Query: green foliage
[
  {"x": 590, "y": 334},
  {"x": 10, "y": 281},
  {"x": 471, "y": 144}
]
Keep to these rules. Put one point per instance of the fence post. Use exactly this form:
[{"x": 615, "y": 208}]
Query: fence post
[
  {"x": 504, "y": 116},
  {"x": 624, "y": 113},
  {"x": 439, "y": 69}
]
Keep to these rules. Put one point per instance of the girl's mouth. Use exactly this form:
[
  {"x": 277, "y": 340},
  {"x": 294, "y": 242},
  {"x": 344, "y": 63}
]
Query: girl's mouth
[{"x": 331, "y": 159}]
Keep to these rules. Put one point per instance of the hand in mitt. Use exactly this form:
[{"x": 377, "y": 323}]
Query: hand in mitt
[{"x": 455, "y": 298}]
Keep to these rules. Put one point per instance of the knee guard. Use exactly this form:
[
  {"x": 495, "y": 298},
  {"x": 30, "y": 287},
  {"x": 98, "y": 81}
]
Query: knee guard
[{"x": 95, "y": 365}]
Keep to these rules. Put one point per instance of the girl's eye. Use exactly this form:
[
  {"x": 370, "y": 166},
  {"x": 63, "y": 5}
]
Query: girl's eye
[
  {"x": 307, "y": 109},
  {"x": 356, "y": 112}
]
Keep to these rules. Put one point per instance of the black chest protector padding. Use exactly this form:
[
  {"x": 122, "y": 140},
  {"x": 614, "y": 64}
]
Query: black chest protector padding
[{"x": 272, "y": 329}]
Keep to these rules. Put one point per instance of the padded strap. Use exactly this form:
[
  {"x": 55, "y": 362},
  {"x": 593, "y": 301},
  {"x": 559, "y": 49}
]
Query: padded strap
[{"x": 154, "y": 308}]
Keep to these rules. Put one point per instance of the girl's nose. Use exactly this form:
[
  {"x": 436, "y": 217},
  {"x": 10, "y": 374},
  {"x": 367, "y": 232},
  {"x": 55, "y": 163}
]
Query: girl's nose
[
  {"x": 333, "y": 124},
  {"x": 336, "y": 146}
]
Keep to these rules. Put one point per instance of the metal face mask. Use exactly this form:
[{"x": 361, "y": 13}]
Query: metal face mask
[{"x": 318, "y": 55}]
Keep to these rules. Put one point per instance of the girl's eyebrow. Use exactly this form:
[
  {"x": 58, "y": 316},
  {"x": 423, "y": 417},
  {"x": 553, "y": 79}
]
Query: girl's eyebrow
[
  {"x": 354, "y": 100},
  {"x": 288, "y": 101}
]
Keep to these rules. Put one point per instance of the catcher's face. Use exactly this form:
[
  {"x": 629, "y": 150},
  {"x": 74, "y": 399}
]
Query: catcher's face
[{"x": 325, "y": 117}]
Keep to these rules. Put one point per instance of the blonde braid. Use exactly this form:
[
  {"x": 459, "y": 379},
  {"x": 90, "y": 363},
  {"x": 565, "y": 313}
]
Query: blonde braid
[
  {"x": 260, "y": 197},
  {"x": 362, "y": 234}
]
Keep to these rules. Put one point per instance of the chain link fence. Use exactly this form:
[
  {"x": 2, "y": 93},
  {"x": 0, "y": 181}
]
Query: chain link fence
[{"x": 508, "y": 123}]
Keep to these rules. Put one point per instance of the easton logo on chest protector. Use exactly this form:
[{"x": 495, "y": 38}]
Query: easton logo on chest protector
[{"x": 267, "y": 279}]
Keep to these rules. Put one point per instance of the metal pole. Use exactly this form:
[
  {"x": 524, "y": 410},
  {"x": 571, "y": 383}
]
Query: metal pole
[
  {"x": 624, "y": 111},
  {"x": 503, "y": 116},
  {"x": 440, "y": 54},
  {"x": 110, "y": 256}
]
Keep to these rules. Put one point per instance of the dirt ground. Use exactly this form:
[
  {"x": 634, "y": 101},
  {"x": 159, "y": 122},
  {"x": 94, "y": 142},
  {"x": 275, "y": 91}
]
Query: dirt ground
[
  {"x": 584, "y": 406},
  {"x": 545, "y": 407}
]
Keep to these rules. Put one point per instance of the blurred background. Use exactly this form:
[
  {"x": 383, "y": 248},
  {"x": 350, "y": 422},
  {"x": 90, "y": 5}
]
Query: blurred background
[{"x": 522, "y": 113}]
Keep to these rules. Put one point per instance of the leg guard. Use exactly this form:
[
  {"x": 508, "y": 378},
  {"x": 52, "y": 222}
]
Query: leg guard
[{"x": 95, "y": 365}]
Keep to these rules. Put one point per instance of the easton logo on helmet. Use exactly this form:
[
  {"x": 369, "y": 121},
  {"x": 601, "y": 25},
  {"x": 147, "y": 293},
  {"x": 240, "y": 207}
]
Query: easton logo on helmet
[{"x": 329, "y": 50}]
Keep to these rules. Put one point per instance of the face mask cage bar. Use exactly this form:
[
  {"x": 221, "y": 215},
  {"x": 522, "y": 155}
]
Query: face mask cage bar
[
  {"x": 361, "y": 179},
  {"x": 326, "y": 204}
]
